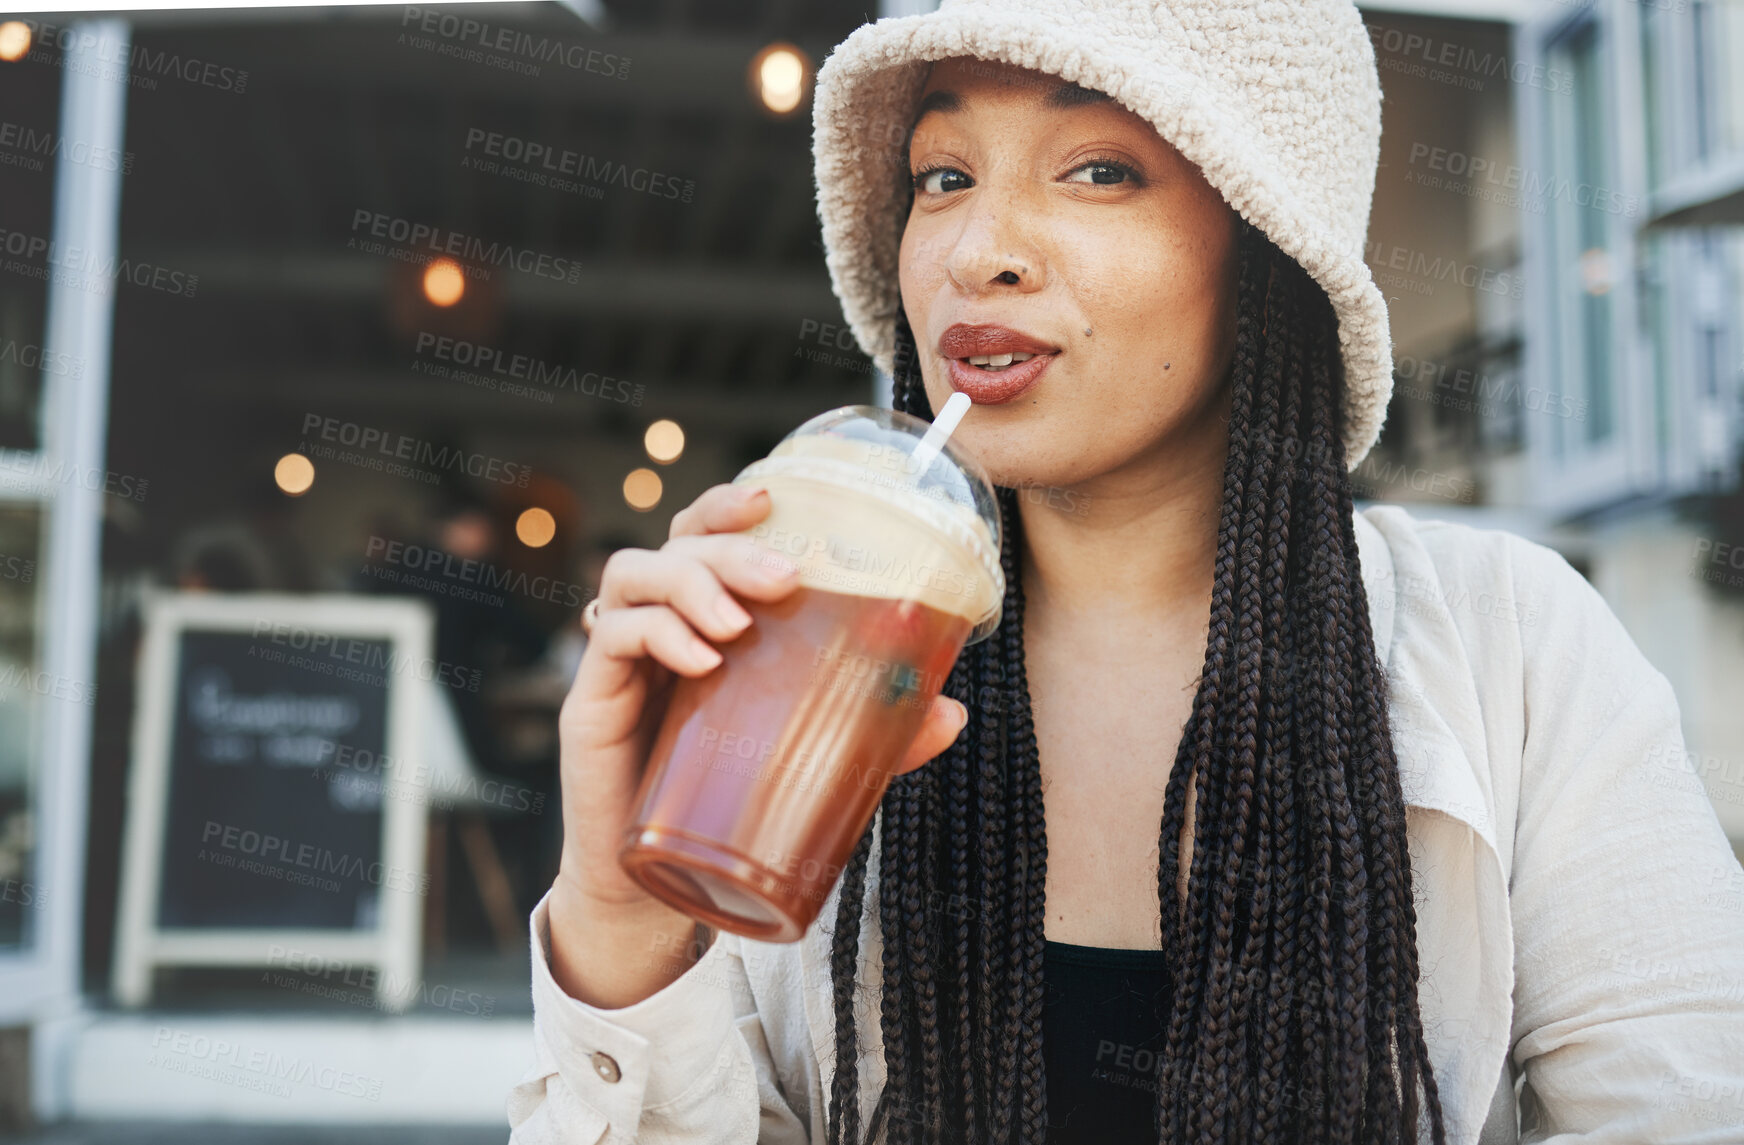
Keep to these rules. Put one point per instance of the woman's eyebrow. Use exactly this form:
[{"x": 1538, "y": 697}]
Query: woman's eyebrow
[
  {"x": 1067, "y": 95},
  {"x": 940, "y": 100}
]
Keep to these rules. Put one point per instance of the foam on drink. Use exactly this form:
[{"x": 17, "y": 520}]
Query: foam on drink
[{"x": 845, "y": 537}]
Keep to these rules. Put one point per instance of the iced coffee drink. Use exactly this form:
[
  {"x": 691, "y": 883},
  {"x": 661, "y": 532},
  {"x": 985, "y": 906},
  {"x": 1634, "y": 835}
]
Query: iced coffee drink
[{"x": 766, "y": 772}]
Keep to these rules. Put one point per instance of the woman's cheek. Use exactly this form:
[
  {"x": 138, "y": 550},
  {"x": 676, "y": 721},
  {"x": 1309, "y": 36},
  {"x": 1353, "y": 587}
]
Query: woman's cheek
[{"x": 926, "y": 244}]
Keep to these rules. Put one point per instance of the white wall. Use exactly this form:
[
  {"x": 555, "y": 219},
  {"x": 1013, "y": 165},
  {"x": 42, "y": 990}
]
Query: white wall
[{"x": 1649, "y": 572}]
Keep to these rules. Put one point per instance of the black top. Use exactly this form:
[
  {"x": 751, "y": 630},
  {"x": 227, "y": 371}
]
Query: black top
[{"x": 1101, "y": 1043}]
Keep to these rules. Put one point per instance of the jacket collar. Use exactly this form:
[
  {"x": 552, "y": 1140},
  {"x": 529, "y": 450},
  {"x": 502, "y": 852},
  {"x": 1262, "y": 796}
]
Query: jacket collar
[
  {"x": 1432, "y": 702},
  {"x": 1378, "y": 581}
]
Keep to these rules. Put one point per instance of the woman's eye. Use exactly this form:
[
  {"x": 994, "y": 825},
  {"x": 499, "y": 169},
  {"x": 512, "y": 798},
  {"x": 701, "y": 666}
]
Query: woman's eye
[
  {"x": 1104, "y": 174},
  {"x": 941, "y": 179}
]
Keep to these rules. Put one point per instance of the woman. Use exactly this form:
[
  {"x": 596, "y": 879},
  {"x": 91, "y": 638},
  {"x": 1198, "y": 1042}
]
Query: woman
[{"x": 1257, "y": 819}]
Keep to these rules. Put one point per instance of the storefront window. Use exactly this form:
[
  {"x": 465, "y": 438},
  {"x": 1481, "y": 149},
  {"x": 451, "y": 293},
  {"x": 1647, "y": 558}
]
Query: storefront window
[
  {"x": 1655, "y": 30},
  {"x": 1718, "y": 31},
  {"x": 20, "y": 892},
  {"x": 1584, "y": 263},
  {"x": 29, "y": 147}
]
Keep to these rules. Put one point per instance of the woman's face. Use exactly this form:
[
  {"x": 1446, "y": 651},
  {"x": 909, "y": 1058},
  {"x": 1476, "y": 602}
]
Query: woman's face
[{"x": 1051, "y": 221}]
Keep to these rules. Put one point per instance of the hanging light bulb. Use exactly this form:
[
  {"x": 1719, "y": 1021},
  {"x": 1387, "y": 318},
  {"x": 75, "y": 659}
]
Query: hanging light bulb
[
  {"x": 294, "y": 474},
  {"x": 664, "y": 441},
  {"x": 535, "y": 527},
  {"x": 642, "y": 489},
  {"x": 14, "y": 40},
  {"x": 444, "y": 282},
  {"x": 780, "y": 74}
]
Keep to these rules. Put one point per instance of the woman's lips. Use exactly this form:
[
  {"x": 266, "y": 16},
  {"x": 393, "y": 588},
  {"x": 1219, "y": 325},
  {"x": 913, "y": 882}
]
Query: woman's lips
[
  {"x": 990, "y": 387},
  {"x": 963, "y": 341}
]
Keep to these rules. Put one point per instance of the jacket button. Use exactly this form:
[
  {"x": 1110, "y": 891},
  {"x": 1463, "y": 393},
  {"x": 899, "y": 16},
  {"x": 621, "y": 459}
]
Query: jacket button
[{"x": 605, "y": 1066}]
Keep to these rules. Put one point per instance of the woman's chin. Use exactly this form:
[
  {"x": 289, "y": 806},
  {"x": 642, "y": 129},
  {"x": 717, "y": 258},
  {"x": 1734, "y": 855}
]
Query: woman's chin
[
  {"x": 1020, "y": 476},
  {"x": 1003, "y": 452}
]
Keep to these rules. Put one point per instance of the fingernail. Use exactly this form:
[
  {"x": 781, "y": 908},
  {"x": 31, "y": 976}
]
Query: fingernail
[
  {"x": 780, "y": 567},
  {"x": 730, "y": 612},
  {"x": 745, "y": 492},
  {"x": 705, "y": 655}
]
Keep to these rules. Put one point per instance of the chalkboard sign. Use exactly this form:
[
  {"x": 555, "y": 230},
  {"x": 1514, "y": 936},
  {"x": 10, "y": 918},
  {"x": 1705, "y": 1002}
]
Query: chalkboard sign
[
  {"x": 250, "y": 840},
  {"x": 243, "y": 838}
]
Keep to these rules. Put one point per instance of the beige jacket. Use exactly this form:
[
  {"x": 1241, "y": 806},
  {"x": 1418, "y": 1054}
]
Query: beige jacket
[{"x": 1580, "y": 913}]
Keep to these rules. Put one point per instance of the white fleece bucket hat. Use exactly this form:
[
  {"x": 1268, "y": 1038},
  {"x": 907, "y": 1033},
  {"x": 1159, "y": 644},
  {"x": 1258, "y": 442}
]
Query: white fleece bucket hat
[{"x": 1277, "y": 101}]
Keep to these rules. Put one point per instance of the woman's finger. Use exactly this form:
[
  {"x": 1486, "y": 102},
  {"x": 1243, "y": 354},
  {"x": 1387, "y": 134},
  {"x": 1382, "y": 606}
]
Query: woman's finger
[
  {"x": 653, "y": 631},
  {"x": 944, "y": 722},
  {"x": 693, "y": 576},
  {"x": 636, "y": 577},
  {"x": 723, "y": 508}
]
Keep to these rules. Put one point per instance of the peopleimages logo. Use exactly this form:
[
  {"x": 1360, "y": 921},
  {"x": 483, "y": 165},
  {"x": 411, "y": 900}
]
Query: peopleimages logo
[
  {"x": 406, "y": 448},
  {"x": 1418, "y": 266},
  {"x": 142, "y": 62},
  {"x": 1424, "y": 56},
  {"x": 269, "y": 851},
  {"x": 183, "y": 1051},
  {"x": 502, "y": 372},
  {"x": 20, "y": 678},
  {"x": 79, "y": 268},
  {"x": 1722, "y": 557},
  {"x": 543, "y": 161},
  {"x": 32, "y": 149},
  {"x": 375, "y": 983},
  {"x": 34, "y": 469},
  {"x": 22, "y": 893},
  {"x": 469, "y": 39},
  {"x": 438, "y": 240},
  {"x": 428, "y": 559},
  {"x": 340, "y": 650},
  {"x": 21, "y": 569},
  {"x": 1425, "y": 380},
  {"x": 815, "y": 549},
  {"x": 359, "y": 778},
  {"x": 33, "y": 357},
  {"x": 1533, "y": 187}
]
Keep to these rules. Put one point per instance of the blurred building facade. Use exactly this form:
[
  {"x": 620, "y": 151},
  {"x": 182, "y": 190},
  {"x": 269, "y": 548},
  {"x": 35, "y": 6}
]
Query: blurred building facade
[
  {"x": 1555, "y": 228},
  {"x": 1587, "y": 165}
]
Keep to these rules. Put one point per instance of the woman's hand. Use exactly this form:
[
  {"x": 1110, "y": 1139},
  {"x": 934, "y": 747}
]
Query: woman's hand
[{"x": 661, "y": 613}]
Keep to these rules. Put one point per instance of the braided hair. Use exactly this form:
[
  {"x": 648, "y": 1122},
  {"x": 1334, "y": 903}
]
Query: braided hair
[{"x": 1290, "y": 995}]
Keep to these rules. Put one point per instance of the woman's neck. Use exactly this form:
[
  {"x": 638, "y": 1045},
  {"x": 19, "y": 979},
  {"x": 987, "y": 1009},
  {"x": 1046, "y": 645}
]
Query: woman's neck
[
  {"x": 1136, "y": 545},
  {"x": 1117, "y": 603}
]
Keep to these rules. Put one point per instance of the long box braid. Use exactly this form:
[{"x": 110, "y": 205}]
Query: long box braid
[{"x": 1290, "y": 1000}]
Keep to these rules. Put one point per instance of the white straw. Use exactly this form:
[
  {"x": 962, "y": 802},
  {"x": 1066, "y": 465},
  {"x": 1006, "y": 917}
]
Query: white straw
[{"x": 955, "y": 407}]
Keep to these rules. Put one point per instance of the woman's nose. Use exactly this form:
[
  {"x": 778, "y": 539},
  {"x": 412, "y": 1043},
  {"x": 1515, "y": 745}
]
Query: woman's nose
[{"x": 990, "y": 252}]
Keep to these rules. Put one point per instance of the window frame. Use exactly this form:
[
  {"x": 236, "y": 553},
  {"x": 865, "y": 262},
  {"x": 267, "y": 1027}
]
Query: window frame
[{"x": 1567, "y": 474}]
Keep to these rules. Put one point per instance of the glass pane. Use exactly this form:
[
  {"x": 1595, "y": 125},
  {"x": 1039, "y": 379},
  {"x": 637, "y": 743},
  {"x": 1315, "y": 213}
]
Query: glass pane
[
  {"x": 1724, "y": 48},
  {"x": 1590, "y": 260},
  {"x": 1658, "y": 134},
  {"x": 21, "y": 694},
  {"x": 30, "y": 97},
  {"x": 1660, "y": 255},
  {"x": 1702, "y": 76}
]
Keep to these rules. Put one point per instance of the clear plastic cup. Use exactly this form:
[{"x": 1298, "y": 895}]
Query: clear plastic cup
[{"x": 766, "y": 772}]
